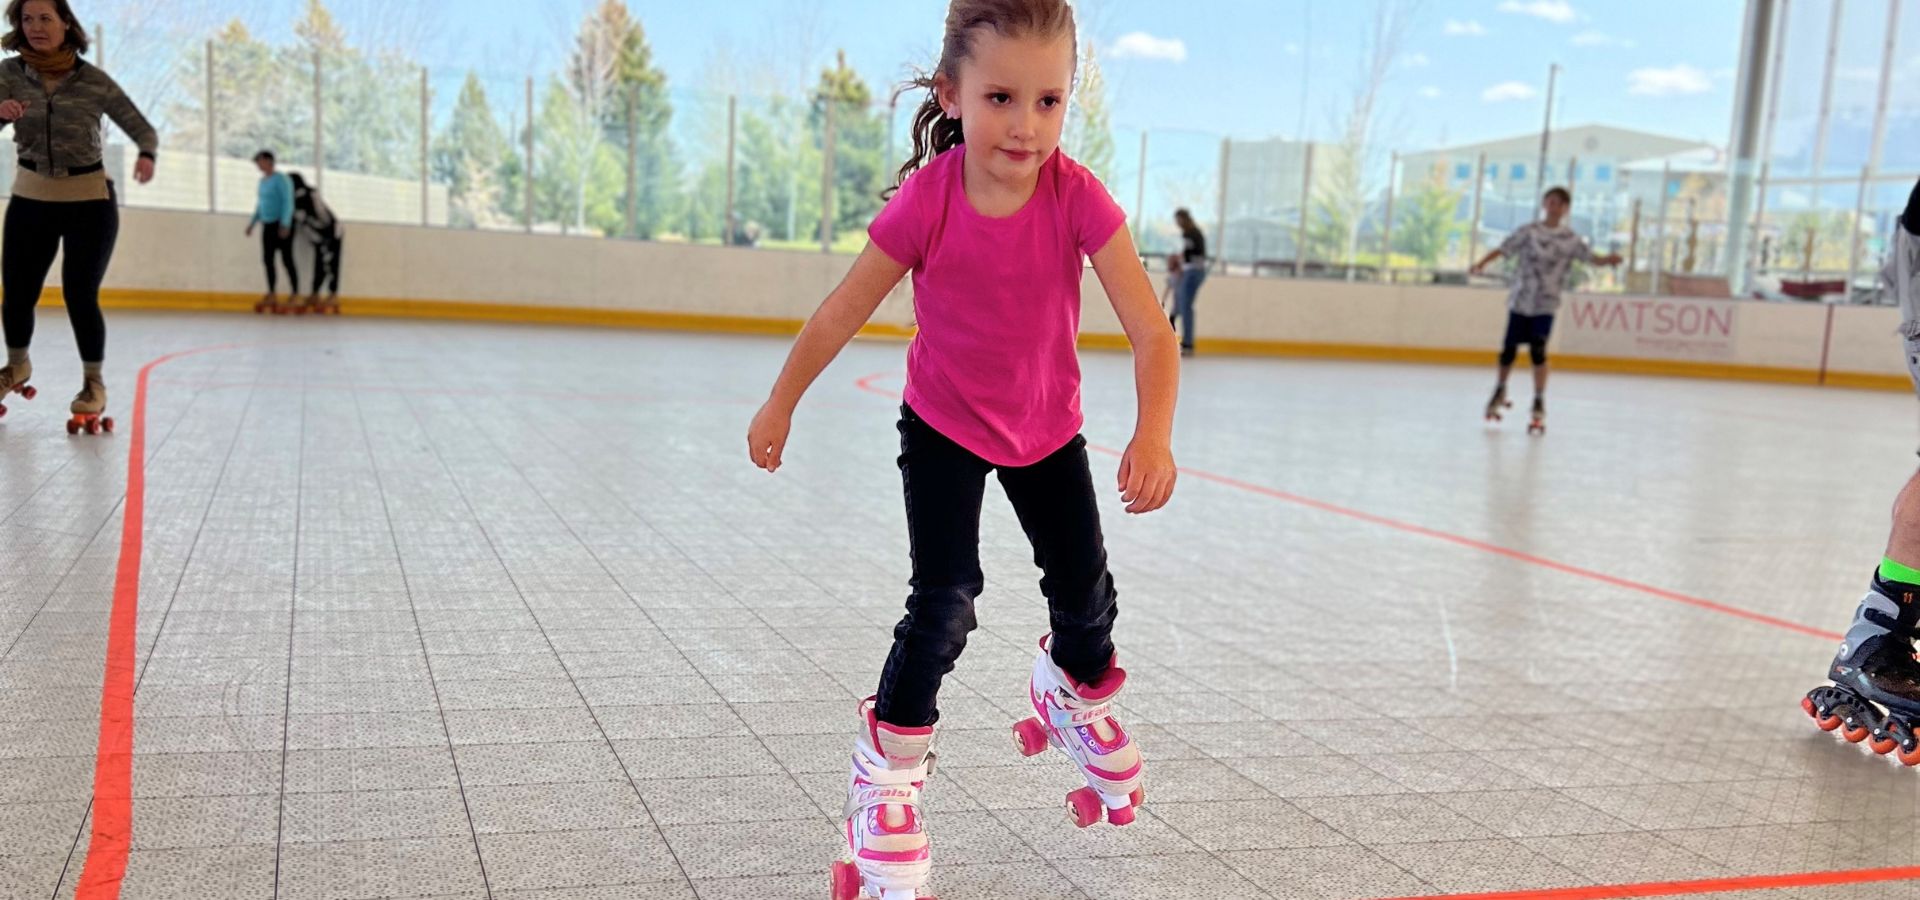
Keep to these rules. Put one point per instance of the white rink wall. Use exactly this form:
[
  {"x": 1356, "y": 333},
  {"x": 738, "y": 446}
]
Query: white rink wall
[{"x": 166, "y": 254}]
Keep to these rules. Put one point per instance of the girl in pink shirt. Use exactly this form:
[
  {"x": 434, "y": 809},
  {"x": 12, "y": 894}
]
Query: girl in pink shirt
[{"x": 993, "y": 222}]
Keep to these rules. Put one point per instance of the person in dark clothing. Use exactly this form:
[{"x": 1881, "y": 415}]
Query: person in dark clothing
[
  {"x": 314, "y": 220},
  {"x": 274, "y": 210},
  {"x": 1193, "y": 273}
]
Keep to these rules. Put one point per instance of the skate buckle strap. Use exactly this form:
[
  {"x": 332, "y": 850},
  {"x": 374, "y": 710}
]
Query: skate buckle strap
[
  {"x": 1063, "y": 717},
  {"x": 868, "y": 796}
]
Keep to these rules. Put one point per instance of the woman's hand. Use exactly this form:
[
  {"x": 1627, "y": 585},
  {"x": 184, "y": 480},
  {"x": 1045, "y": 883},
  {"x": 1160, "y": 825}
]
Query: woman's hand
[
  {"x": 12, "y": 110},
  {"x": 143, "y": 170},
  {"x": 1147, "y": 474},
  {"x": 767, "y": 436}
]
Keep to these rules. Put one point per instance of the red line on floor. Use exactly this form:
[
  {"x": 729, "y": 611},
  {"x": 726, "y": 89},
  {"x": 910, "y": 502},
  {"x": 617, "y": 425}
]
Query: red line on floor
[
  {"x": 867, "y": 384},
  {"x": 112, "y": 834},
  {"x": 1704, "y": 886}
]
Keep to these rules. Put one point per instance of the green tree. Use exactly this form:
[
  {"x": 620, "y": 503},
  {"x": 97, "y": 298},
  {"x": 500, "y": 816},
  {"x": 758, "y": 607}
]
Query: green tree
[
  {"x": 259, "y": 100},
  {"x": 639, "y": 121},
  {"x": 1089, "y": 137},
  {"x": 778, "y": 183},
  {"x": 577, "y": 177},
  {"x": 264, "y": 98},
  {"x": 860, "y": 144},
  {"x": 470, "y": 157},
  {"x": 1427, "y": 222}
]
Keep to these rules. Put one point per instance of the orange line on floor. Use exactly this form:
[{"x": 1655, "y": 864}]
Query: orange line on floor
[
  {"x": 112, "y": 809},
  {"x": 1703, "y": 886},
  {"x": 867, "y": 384}
]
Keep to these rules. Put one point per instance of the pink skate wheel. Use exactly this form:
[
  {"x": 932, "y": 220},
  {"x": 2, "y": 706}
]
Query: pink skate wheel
[
  {"x": 1806, "y": 704},
  {"x": 106, "y": 424},
  {"x": 29, "y": 391},
  {"x": 1029, "y": 737},
  {"x": 1121, "y": 816},
  {"x": 3, "y": 410},
  {"x": 1084, "y": 807},
  {"x": 1139, "y": 796},
  {"x": 1909, "y": 757},
  {"x": 73, "y": 426},
  {"x": 846, "y": 881}
]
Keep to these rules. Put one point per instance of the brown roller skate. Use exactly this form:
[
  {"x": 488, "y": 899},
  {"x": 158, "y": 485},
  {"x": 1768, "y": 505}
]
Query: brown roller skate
[
  {"x": 13, "y": 380},
  {"x": 88, "y": 405}
]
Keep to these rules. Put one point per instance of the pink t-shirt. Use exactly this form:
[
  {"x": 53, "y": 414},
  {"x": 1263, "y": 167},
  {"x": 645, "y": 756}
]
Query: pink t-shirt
[{"x": 997, "y": 301}]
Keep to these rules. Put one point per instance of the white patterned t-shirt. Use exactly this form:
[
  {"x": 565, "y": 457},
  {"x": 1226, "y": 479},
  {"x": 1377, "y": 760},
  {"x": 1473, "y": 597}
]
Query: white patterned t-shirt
[{"x": 1542, "y": 259}]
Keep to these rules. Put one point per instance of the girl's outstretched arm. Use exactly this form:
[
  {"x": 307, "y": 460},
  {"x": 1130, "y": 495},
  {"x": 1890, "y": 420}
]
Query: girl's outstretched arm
[
  {"x": 827, "y": 332},
  {"x": 1147, "y": 471}
]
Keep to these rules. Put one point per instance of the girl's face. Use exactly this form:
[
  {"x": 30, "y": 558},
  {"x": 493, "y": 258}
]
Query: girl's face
[
  {"x": 44, "y": 29},
  {"x": 1555, "y": 207},
  {"x": 1011, "y": 99}
]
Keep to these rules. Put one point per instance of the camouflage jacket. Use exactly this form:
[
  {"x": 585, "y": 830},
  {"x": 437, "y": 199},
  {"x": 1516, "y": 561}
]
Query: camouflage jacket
[{"x": 60, "y": 133}]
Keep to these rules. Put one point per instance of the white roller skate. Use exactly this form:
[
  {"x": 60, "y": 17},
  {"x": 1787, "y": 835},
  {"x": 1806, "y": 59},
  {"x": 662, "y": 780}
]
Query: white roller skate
[
  {"x": 1078, "y": 719},
  {"x": 888, "y": 857}
]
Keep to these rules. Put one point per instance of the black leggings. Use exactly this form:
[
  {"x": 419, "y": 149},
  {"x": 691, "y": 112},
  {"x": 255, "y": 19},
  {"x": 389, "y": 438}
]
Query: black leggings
[
  {"x": 35, "y": 232},
  {"x": 1057, "y": 506},
  {"x": 270, "y": 243},
  {"x": 1530, "y": 330}
]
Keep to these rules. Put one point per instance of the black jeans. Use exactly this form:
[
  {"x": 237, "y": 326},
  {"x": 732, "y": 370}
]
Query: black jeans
[
  {"x": 35, "y": 232},
  {"x": 1055, "y": 501},
  {"x": 271, "y": 243}
]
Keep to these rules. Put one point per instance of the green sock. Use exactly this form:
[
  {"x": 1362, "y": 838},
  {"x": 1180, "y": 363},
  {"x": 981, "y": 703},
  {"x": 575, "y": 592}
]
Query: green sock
[
  {"x": 1898, "y": 573},
  {"x": 91, "y": 370},
  {"x": 16, "y": 356}
]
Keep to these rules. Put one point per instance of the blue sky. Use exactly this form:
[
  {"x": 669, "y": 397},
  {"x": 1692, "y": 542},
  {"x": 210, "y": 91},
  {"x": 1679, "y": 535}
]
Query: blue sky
[{"x": 1469, "y": 69}]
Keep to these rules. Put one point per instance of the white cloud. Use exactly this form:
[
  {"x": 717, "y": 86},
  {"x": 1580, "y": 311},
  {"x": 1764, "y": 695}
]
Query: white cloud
[
  {"x": 1509, "y": 90},
  {"x": 1601, "y": 39},
  {"x": 1418, "y": 61},
  {"x": 1429, "y": 92},
  {"x": 1559, "y": 12},
  {"x": 1468, "y": 28},
  {"x": 1141, "y": 45},
  {"x": 1668, "y": 82},
  {"x": 1292, "y": 49},
  {"x": 1868, "y": 74}
]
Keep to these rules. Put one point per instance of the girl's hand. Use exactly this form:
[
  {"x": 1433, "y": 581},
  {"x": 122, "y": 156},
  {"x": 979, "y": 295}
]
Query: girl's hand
[
  {"x": 143, "y": 170},
  {"x": 12, "y": 110},
  {"x": 1147, "y": 474},
  {"x": 767, "y": 436}
]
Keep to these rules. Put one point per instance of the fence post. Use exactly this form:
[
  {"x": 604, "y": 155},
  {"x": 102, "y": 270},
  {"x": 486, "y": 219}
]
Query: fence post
[
  {"x": 633, "y": 164},
  {"x": 1220, "y": 232},
  {"x": 1386, "y": 230},
  {"x": 1306, "y": 197},
  {"x": 213, "y": 160},
  {"x": 726, "y": 226},
  {"x": 826, "y": 178},
  {"x": 1473, "y": 228},
  {"x": 426, "y": 123},
  {"x": 1660, "y": 229},
  {"x": 527, "y": 198},
  {"x": 319, "y": 122}
]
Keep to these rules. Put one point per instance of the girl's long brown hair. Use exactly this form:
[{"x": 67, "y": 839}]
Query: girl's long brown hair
[{"x": 933, "y": 132}]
